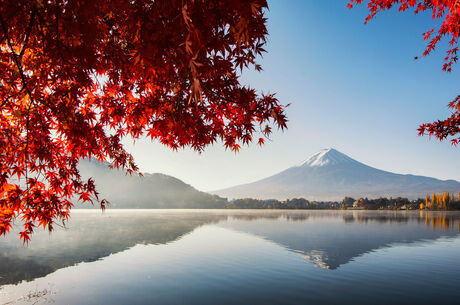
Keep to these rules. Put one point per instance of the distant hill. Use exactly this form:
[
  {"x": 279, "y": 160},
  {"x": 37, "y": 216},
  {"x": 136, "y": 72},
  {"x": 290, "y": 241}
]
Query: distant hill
[
  {"x": 332, "y": 175},
  {"x": 149, "y": 191}
]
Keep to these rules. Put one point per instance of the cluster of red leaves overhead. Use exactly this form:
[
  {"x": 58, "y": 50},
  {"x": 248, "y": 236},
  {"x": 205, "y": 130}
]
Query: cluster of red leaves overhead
[
  {"x": 449, "y": 12},
  {"x": 78, "y": 76}
]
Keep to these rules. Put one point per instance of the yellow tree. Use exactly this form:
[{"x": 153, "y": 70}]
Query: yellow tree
[
  {"x": 433, "y": 200},
  {"x": 438, "y": 200}
]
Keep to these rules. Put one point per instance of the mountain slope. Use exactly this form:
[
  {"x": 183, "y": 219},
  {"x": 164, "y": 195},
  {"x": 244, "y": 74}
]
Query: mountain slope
[
  {"x": 149, "y": 191},
  {"x": 332, "y": 175}
]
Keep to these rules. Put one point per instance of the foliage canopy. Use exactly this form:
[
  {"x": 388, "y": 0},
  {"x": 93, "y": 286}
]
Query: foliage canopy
[{"x": 78, "y": 76}]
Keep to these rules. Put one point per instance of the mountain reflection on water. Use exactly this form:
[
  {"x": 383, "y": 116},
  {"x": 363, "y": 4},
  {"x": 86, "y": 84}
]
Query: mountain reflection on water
[
  {"x": 328, "y": 239},
  {"x": 333, "y": 238}
]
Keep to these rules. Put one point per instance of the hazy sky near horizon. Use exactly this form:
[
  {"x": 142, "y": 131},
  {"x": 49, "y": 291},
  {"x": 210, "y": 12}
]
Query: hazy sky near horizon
[{"x": 353, "y": 87}]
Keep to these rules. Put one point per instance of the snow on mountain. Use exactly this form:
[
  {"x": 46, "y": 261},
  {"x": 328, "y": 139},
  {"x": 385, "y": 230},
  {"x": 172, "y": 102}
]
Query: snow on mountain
[
  {"x": 332, "y": 175},
  {"x": 325, "y": 157}
]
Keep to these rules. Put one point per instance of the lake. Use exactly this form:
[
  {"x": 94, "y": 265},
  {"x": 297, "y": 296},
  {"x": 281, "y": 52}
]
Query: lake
[{"x": 237, "y": 257}]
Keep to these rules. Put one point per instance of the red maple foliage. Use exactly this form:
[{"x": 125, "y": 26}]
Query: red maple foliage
[
  {"x": 449, "y": 12},
  {"x": 78, "y": 76}
]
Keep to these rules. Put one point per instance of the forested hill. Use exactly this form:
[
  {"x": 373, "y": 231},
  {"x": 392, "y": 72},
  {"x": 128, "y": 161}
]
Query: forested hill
[{"x": 146, "y": 192}]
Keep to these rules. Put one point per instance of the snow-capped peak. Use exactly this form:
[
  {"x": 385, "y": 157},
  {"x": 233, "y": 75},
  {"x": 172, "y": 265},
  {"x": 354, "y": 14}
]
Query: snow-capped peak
[{"x": 324, "y": 157}]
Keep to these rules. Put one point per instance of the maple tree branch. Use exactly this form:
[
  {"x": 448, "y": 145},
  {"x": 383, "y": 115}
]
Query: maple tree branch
[
  {"x": 182, "y": 85},
  {"x": 26, "y": 152},
  {"x": 8, "y": 19},
  {"x": 217, "y": 94},
  {"x": 181, "y": 88},
  {"x": 58, "y": 34},
  {"x": 221, "y": 97},
  {"x": 26, "y": 39},
  {"x": 97, "y": 80},
  {"x": 59, "y": 225},
  {"x": 29, "y": 30},
  {"x": 10, "y": 96},
  {"x": 40, "y": 27},
  {"x": 16, "y": 59},
  {"x": 264, "y": 135},
  {"x": 24, "y": 83}
]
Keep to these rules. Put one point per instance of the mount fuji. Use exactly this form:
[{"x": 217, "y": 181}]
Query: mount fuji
[{"x": 332, "y": 175}]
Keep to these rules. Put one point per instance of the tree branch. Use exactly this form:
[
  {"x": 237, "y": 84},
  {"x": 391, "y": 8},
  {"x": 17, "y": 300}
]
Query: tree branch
[
  {"x": 24, "y": 83},
  {"x": 29, "y": 30},
  {"x": 10, "y": 96}
]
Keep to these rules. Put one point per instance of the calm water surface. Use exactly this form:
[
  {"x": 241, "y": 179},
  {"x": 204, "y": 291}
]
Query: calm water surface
[{"x": 237, "y": 257}]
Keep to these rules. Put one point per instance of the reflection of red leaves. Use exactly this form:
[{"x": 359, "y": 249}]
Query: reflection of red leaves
[
  {"x": 449, "y": 13},
  {"x": 91, "y": 74}
]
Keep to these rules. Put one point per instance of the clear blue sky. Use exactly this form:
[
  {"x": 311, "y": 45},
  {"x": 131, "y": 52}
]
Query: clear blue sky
[{"x": 353, "y": 87}]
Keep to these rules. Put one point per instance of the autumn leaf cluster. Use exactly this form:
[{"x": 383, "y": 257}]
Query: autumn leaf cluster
[
  {"x": 448, "y": 12},
  {"x": 76, "y": 77}
]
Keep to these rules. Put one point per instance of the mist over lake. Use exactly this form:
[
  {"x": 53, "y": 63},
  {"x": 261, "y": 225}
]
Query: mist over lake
[
  {"x": 235, "y": 257},
  {"x": 229, "y": 152}
]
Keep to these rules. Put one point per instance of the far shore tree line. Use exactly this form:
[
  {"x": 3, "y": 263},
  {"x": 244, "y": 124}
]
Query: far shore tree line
[{"x": 442, "y": 201}]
